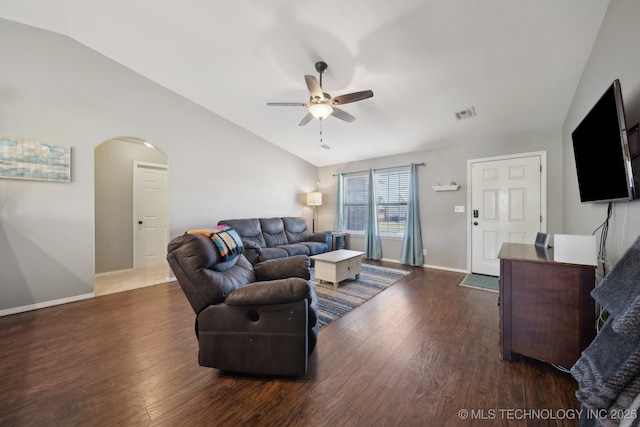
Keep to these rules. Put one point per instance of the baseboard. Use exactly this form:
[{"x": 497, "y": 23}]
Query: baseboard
[
  {"x": 111, "y": 273},
  {"x": 439, "y": 267},
  {"x": 435, "y": 267},
  {"x": 45, "y": 304}
]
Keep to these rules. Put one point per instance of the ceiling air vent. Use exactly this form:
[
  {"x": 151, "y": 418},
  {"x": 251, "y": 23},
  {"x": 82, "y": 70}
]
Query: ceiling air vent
[{"x": 465, "y": 114}]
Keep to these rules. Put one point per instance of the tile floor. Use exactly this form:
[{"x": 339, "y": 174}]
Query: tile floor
[{"x": 126, "y": 280}]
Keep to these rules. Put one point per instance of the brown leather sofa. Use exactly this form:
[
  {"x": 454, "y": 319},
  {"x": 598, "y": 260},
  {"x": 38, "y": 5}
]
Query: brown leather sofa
[
  {"x": 271, "y": 238},
  {"x": 258, "y": 319}
]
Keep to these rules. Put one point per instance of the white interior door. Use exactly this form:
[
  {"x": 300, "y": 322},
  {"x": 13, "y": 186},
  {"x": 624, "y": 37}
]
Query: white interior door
[
  {"x": 506, "y": 206},
  {"x": 151, "y": 224}
]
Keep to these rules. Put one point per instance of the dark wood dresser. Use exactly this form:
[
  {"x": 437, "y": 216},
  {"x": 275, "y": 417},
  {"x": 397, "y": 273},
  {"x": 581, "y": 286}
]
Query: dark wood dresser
[{"x": 546, "y": 312}]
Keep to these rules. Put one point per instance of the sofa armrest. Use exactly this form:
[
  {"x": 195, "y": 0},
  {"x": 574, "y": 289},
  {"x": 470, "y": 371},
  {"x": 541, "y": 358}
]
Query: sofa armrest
[
  {"x": 323, "y": 236},
  {"x": 283, "y": 268},
  {"x": 250, "y": 244},
  {"x": 270, "y": 292}
]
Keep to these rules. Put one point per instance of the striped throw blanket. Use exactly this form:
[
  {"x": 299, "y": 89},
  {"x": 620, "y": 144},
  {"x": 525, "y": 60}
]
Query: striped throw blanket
[{"x": 226, "y": 240}]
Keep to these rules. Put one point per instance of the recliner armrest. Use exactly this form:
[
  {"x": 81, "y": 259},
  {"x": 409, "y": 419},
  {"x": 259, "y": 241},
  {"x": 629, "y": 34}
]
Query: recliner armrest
[
  {"x": 270, "y": 292},
  {"x": 283, "y": 268}
]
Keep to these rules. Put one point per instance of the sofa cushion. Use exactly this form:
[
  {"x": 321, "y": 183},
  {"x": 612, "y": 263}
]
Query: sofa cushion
[
  {"x": 273, "y": 232},
  {"x": 272, "y": 253},
  {"x": 296, "y": 249},
  {"x": 296, "y": 229},
  {"x": 316, "y": 248},
  {"x": 248, "y": 229}
]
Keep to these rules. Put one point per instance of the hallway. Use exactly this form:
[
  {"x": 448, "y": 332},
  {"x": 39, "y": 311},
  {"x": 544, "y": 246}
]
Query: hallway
[{"x": 110, "y": 283}]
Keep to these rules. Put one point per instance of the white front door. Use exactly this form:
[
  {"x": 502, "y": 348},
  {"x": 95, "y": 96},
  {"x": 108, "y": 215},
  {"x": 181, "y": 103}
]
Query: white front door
[
  {"x": 506, "y": 206},
  {"x": 151, "y": 225}
]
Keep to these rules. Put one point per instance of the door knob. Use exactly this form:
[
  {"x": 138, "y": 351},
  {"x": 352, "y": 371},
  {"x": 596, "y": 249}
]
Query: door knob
[
  {"x": 475, "y": 223},
  {"x": 139, "y": 222}
]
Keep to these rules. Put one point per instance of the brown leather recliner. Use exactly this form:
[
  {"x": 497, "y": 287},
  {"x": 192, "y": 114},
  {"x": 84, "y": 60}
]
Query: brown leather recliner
[{"x": 258, "y": 319}]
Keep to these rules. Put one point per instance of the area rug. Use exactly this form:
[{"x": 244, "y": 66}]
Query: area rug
[
  {"x": 480, "y": 281},
  {"x": 335, "y": 303}
]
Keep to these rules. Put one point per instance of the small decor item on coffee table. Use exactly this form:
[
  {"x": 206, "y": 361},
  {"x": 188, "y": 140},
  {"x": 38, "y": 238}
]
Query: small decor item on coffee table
[{"x": 337, "y": 266}]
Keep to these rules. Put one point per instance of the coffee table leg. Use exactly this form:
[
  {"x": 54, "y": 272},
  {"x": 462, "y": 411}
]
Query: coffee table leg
[{"x": 335, "y": 285}]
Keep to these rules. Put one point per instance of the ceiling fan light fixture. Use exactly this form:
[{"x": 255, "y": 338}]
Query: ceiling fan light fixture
[
  {"x": 321, "y": 104},
  {"x": 321, "y": 111}
]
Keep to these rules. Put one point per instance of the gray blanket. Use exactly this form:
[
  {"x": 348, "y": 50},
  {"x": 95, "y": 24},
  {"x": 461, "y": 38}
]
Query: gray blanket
[
  {"x": 619, "y": 293},
  {"x": 606, "y": 368},
  {"x": 608, "y": 371}
]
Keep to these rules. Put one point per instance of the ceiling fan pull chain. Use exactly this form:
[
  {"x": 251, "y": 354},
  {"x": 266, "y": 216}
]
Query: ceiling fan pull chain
[{"x": 320, "y": 132}]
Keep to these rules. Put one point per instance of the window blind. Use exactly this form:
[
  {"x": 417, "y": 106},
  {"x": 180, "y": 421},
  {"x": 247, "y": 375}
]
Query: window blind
[{"x": 392, "y": 189}]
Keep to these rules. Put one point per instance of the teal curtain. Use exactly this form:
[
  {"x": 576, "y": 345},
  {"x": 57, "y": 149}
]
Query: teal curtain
[
  {"x": 372, "y": 247},
  {"x": 412, "y": 243},
  {"x": 338, "y": 223}
]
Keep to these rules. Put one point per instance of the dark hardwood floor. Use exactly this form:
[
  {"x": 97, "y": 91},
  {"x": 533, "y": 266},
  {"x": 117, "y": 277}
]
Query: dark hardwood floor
[{"x": 420, "y": 353}]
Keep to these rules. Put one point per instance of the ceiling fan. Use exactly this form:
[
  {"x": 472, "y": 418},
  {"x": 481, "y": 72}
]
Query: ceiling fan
[{"x": 321, "y": 105}]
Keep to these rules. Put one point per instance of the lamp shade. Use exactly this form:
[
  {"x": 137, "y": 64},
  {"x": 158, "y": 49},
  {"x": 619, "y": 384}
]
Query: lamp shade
[
  {"x": 314, "y": 198},
  {"x": 321, "y": 111}
]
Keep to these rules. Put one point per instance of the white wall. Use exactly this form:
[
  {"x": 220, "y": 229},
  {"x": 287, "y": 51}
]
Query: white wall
[
  {"x": 53, "y": 89},
  {"x": 444, "y": 233},
  {"x": 615, "y": 55}
]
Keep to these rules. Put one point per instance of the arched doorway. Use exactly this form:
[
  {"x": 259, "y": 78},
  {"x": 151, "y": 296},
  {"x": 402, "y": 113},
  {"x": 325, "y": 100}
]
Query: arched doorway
[{"x": 130, "y": 180}]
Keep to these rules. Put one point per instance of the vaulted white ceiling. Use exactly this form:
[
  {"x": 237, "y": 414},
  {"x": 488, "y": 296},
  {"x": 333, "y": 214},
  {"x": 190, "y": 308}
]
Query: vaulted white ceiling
[{"x": 517, "y": 63}]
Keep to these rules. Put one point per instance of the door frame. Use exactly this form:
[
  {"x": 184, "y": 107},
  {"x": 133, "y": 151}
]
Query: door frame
[
  {"x": 543, "y": 192},
  {"x": 136, "y": 165}
]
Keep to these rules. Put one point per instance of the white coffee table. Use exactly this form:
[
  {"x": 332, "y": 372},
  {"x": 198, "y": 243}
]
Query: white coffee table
[{"x": 337, "y": 266}]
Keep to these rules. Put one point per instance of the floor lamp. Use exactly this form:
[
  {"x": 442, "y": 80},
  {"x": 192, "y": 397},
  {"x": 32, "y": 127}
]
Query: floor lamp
[{"x": 314, "y": 199}]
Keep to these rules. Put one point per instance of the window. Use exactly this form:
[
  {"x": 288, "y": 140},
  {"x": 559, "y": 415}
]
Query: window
[
  {"x": 392, "y": 188},
  {"x": 356, "y": 194},
  {"x": 393, "y": 201}
]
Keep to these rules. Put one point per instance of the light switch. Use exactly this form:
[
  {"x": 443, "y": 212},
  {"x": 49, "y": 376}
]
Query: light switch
[{"x": 458, "y": 209}]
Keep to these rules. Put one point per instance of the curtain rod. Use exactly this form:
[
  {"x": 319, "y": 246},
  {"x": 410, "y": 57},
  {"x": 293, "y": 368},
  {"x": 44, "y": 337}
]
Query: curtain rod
[{"x": 381, "y": 169}]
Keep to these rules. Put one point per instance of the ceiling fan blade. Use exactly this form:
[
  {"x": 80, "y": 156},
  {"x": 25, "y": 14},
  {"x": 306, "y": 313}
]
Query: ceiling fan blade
[
  {"x": 352, "y": 97},
  {"x": 342, "y": 115},
  {"x": 314, "y": 87},
  {"x": 306, "y": 119},
  {"x": 286, "y": 104}
]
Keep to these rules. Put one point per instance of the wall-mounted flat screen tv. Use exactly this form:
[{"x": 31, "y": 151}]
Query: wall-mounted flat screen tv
[{"x": 601, "y": 151}]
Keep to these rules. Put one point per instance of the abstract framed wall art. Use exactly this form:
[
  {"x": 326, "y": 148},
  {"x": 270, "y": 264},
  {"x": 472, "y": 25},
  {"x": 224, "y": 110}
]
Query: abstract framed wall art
[{"x": 25, "y": 159}]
